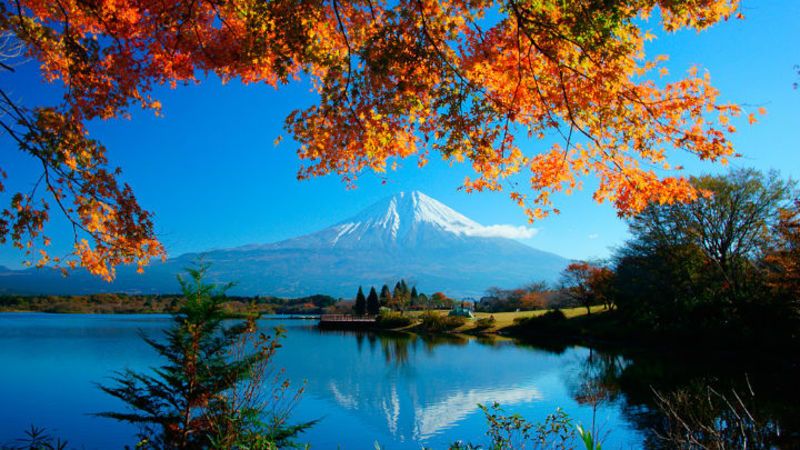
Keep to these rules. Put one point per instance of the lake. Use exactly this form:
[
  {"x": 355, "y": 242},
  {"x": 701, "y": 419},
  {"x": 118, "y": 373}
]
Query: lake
[{"x": 402, "y": 390}]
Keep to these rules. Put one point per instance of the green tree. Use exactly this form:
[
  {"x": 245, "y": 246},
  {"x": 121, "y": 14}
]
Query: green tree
[
  {"x": 424, "y": 301},
  {"x": 731, "y": 226},
  {"x": 360, "y": 307},
  {"x": 401, "y": 296},
  {"x": 373, "y": 305},
  {"x": 697, "y": 265},
  {"x": 414, "y": 298},
  {"x": 216, "y": 388},
  {"x": 386, "y": 296}
]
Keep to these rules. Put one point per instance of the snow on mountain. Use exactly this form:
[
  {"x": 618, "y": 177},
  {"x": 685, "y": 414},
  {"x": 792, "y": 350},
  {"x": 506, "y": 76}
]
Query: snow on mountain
[
  {"x": 408, "y": 235},
  {"x": 402, "y": 215},
  {"x": 405, "y": 220}
]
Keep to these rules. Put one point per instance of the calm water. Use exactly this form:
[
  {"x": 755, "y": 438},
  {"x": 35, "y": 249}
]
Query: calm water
[{"x": 400, "y": 390}]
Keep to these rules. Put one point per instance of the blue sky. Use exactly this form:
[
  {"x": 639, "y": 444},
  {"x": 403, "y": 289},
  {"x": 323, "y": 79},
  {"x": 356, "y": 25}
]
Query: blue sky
[{"x": 209, "y": 170}]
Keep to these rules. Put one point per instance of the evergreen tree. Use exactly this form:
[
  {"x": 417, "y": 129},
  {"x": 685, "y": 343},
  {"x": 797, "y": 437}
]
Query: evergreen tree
[
  {"x": 403, "y": 287},
  {"x": 398, "y": 292},
  {"x": 360, "y": 306},
  {"x": 373, "y": 304},
  {"x": 386, "y": 296},
  {"x": 414, "y": 296},
  {"x": 213, "y": 389}
]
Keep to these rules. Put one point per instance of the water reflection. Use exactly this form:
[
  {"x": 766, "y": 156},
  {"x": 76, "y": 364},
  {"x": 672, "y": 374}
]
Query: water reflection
[
  {"x": 417, "y": 392},
  {"x": 402, "y": 390},
  {"x": 425, "y": 384},
  {"x": 634, "y": 381}
]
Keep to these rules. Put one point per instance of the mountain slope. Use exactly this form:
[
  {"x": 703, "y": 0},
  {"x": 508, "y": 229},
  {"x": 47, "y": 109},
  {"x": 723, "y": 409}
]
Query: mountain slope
[{"x": 409, "y": 235}]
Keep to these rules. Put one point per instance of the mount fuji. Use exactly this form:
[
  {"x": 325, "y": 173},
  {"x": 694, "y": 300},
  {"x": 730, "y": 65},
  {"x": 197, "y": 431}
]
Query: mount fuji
[{"x": 408, "y": 235}]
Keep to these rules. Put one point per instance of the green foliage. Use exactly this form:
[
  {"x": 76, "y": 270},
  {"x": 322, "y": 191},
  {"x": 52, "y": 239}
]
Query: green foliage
[
  {"x": 166, "y": 303},
  {"x": 401, "y": 296},
  {"x": 509, "y": 432},
  {"x": 423, "y": 301},
  {"x": 589, "y": 441},
  {"x": 552, "y": 317},
  {"x": 216, "y": 388},
  {"x": 513, "y": 432},
  {"x": 414, "y": 295},
  {"x": 698, "y": 266},
  {"x": 37, "y": 439},
  {"x": 433, "y": 322},
  {"x": 533, "y": 296},
  {"x": 391, "y": 319},
  {"x": 386, "y": 296},
  {"x": 360, "y": 306},
  {"x": 373, "y": 304},
  {"x": 485, "y": 323}
]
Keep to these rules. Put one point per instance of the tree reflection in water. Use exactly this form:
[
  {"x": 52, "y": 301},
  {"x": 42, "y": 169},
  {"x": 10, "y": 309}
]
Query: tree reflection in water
[
  {"x": 621, "y": 379},
  {"x": 702, "y": 401}
]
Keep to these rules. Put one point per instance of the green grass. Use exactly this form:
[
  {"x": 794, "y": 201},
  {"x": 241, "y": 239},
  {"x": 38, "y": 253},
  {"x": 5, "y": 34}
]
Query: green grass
[{"x": 506, "y": 319}]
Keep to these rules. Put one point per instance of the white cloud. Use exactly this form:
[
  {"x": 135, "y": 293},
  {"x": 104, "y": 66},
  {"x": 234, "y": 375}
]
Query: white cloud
[
  {"x": 593, "y": 236},
  {"x": 505, "y": 231}
]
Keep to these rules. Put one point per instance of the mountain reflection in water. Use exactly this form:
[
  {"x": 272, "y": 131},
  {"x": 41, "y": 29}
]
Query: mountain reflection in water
[
  {"x": 402, "y": 390},
  {"x": 422, "y": 389}
]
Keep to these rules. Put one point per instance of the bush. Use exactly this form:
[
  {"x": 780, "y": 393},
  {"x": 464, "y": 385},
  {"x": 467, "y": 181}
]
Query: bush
[
  {"x": 547, "y": 321},
  {"x": 390, "y": 319},
  {"x": 485, "y": 323},
  {"x": 433, "y": 322}
]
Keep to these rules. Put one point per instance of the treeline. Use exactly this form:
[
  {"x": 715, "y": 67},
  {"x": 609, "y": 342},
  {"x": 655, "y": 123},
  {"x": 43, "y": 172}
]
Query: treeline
[
  {"x": 216, "y": 386},
  {"x": 533, "y": 296},
  {"x": 725, "y": 267},
  {"x": 144, "y": 304},
  {"x": 401, "y": 298}
]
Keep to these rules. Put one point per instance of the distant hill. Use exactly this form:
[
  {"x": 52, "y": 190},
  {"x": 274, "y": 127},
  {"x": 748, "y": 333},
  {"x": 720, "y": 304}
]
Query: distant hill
[{"x": 408, "y": 235}]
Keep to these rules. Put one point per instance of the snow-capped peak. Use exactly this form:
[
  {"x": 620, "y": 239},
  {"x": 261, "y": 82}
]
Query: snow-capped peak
[
  {"x": 399, "y": 213},
  {"x": 413, "y": 217}
]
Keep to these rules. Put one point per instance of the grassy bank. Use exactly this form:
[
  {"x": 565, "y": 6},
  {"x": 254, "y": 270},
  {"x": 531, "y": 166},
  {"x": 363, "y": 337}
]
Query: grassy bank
[{"x": 503, "y": 322}]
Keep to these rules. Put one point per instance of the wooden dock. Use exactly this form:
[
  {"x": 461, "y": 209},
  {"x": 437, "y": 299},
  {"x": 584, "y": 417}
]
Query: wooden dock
[{"x": 346, "y": 321}]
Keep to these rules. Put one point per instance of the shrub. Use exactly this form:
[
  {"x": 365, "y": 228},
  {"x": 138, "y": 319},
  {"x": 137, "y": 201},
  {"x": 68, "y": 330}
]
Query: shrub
[
  {"x": 551, "y": 320},
  {"x": 391, "y": 319},
  {"x": 485, "y": 323},
  {"x": 434, "y": 322}
]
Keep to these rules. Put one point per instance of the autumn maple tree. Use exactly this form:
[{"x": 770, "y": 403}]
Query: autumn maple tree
[
  {"x": 491, "y": 83},
  {"x": 587, "y": 284},
  {"x": 782, "y": 259}
]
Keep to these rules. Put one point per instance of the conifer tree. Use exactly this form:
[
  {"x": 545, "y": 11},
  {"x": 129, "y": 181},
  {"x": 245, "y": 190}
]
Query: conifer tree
[
  {"x": 215, "y": 389},
  {"x": 414, "y": 296},
  {"x": 373, "y": 304},
  {"x": 360, "y": 306},
  {"x": 403, "y": 286},
  {"x": 386, "y": 296}
]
